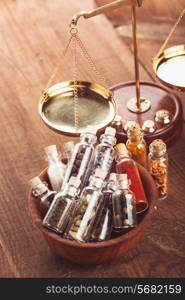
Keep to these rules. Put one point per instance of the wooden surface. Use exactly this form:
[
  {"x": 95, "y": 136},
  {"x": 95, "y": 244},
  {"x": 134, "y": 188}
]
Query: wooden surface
[{"x": 33, "y": 34}]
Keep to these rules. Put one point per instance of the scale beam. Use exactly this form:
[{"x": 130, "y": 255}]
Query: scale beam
[{"x": 104, "y": 8}]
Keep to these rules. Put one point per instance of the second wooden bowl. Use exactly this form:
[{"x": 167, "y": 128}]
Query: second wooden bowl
[{"x": 94, "y": 253}]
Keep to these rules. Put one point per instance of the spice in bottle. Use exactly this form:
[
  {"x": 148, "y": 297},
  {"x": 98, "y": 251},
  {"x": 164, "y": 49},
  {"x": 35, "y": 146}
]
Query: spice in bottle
[
  {"x": 103, "y": 221},
  {"x": 158, "y": 166},
  {"x": 136, "y": 145},
  {"x": 125, "y": 164},
  {"x": 41, "y": 191},
  {"x": 63, "y": 207},
  {"x": 81, "y": 158},
  {"x": 68, "y": 148},
  {"x": 104, "y": 152},
  {"x": 80, "y": 226},
  {"x": 56, "y": 169},
  {"x": 124, "y": 211}
]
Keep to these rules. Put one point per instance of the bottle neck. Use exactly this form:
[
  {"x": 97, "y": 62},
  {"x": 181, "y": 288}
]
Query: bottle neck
[
  {"x": 88, "y": 138},
  {"x": 122, "y": 157},
  {"x": 108, "y": 140},
  {"x": 135, "y": 139},
  {"x": 112, "y": 185},
  {"x": 71, "y": 191},
  {"x": 97, "y": 183}
]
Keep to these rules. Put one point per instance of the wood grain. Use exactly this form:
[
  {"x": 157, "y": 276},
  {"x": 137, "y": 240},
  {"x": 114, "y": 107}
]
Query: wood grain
[{"x": 33, "y": 34}]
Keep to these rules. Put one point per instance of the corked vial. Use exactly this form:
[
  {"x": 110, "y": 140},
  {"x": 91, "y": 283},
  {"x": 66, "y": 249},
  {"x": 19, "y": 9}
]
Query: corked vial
[
  {"x": 136, "y": 145},
  {"x": 125, "y": 164},
  {"x": 41, "y": 191},
  {"x": 158, "y": 166}
]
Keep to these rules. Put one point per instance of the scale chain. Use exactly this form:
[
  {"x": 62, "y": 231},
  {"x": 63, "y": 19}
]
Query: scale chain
[
  {"x": 91, "y": 62},
  {"x": 75, "y": 97}
]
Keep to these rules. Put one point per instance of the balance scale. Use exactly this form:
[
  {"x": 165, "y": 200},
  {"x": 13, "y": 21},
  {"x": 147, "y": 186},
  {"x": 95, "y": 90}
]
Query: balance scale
[{"x": 69, "y": 107}]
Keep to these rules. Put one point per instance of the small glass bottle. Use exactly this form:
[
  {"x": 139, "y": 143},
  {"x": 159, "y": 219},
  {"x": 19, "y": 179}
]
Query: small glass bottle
[
  {"x": 56, "y": 169},
  {"x": 104, "y": 152},
  {"x": 158, "y": 166},
  {"x": 80, "y": 226},
  {"x": 103, "y": 221},
  {"x": 41, "y": 191},
  {"x": 62, "y": 207},
  {"x": 136, "y": 145},
  {"x": 127, "y": 165},
  {"x": 68, "y": 148},
  {"x": 81, "y": 159},
  {"x": 124, "y": 211}
]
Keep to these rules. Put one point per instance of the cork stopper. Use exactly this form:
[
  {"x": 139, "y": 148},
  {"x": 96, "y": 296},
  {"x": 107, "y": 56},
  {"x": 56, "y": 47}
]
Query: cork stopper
[
  {"x": 50, "y": 149},
  {"x": 163, "y": 116},
  {"x": 130, "y": 124},
  {"x": 158, "y": 147},
  {"x": 134, "y": 132},
  {"x": 110, "y": 131},
  {"x": 91, "y": 129},
  {"x": 113, "y": 177},
  {"x": 34, "y": 182},
  {"x": 121, "y": 150},
  {"x": 68, "y": 146},
  {"x": 74, "y": 181},
  {"x": 149, "y": 126},
  {"x": 100, "y": 173}
]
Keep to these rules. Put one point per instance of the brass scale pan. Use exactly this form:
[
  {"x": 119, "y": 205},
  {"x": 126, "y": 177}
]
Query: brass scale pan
[
  {"x": 169, "y": 64},
  {"x": 96, "y": 107}
]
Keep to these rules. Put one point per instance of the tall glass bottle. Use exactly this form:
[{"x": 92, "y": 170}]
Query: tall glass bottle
[
  {"x": 124, "y": 211},
  {"x": 127, "y": 165},
  {"x": 104, "y": 152},
  {"x": 158, "y": 166},
  {"x": 62, "y": 207},
  {"x": 103, "y": 221},
  {"x": 56, "y": 169},
  {"x": 136, "y": 145},
  {"x": 80, "y": 227},
  {"x": 81, "y": 159},
  {"x": 41, "y": 191}
]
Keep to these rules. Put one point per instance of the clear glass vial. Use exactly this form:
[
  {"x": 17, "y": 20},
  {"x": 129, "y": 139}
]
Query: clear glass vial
[
  {"x": 104, "y": 152},
  {"x": 124, "y": 211},
  {"x": 63, "y": 206},
  {"x": 158, "y": 166},
  {"x": 80, "y": 227},
  {"x": 103, "y": 221},
  {"x": 81, "y": 159},
  {"x": 41, "y": 191},
  {"x": 56, "y": 169}
]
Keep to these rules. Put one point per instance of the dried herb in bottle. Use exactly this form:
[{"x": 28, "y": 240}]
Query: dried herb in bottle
[
  {"x": 124, "y": 211},
  {"x": 136, "y": 145},
  {"x": 80, "y": 226},
  {"x": 158, "y": 166},
  {"x": 41, "y": 191},
  {"x": 68, "y": 149},
  {"x": 127, "y": 165},
  {"x": 56, "y": 169},
  {"x": 63, "y": 206}
]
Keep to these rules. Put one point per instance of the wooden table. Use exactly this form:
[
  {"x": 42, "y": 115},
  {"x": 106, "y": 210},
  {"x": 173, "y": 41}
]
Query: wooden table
[{"x": 33, "y": 34}]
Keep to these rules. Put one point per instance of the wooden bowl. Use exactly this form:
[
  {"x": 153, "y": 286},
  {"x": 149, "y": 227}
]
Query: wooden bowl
[{"x": 94, "y": 253}]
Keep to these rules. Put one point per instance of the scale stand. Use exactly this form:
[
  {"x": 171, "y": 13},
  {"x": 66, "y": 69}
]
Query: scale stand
[{"x": 157, "y": 110}]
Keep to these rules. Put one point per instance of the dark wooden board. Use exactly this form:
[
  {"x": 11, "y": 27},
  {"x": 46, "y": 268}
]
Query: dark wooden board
[{"x": 33, "y": 34}]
